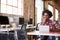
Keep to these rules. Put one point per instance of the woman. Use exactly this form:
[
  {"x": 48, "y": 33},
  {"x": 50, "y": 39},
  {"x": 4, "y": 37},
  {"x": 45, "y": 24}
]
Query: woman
[{"x": 46, "y": 15}]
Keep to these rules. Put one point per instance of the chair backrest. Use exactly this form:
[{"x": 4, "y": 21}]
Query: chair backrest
[
  {"x": 11, "y": 36},
  {"x": 22, "y": 34},
  {"x": 3, "y": 36}
]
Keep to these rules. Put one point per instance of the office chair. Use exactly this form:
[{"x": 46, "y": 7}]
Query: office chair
[
  {"x": 22, "y": 34},
  {"x": 11, "y": 35},
  {"x": 6, "y": 36},
  {"x": 3, "y": 36}
]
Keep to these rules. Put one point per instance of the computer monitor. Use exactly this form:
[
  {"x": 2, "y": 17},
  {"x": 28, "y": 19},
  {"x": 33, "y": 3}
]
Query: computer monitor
[
  {"x": 30, "y": 21},
  {"x": 4, "y": 20},
  {"x": 14, "y": 20},
  {"x": 11, "y": 20},
  {"x": 21, "y": 21}
]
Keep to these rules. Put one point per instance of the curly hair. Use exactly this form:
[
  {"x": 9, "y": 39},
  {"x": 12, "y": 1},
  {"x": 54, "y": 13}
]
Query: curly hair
[{"x": 48, "y": 12}]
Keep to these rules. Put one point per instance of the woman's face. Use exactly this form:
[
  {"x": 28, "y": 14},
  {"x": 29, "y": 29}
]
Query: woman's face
[{"x": 46, "y": 16}]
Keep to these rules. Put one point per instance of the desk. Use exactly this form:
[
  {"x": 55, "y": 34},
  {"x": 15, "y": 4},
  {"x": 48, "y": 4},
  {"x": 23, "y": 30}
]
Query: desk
[
  {"x": 9, "y": 29},
  {"x": 56, "y": 34},
  {"x": 30, "y": 33}
]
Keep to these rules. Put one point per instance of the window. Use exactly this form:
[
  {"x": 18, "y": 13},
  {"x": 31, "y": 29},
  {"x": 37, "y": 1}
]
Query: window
[
  {"x": 14, "y": 10},
  {"x": 9, "y": 2},
  {"x": 3, "y": 1},
  {"x": 12, "y": 7},
  {"x": 20, "y": 7},
  {"x": 9, "y": 9},
  {"x": 3, "y": 8},
  {"x": 20, "y": 11},
  {"x": 51, "y": 9},
  {"x": 14, "y": 2},
  {"x": 56, "y": 14},
  {"x": 20, "y": 3},
  {"x": 39, "y": 8}
]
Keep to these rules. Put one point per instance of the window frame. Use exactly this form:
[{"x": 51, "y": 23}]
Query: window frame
[{"x": 21, "y": 13}]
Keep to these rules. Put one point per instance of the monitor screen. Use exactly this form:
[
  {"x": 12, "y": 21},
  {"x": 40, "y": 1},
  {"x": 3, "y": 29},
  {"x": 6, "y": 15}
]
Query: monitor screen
[
  {"x": 4, "y": 20},
  {"x": 30, "y": 21},
  {"x": 21, "y": 20}
]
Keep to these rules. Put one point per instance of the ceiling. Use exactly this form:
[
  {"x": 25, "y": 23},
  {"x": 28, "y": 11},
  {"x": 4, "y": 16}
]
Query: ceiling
[{"x": 57, "y": 1}]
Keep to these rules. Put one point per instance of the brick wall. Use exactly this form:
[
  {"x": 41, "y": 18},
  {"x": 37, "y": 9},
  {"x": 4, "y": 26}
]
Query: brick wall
[{"x": 29, "y": 9}]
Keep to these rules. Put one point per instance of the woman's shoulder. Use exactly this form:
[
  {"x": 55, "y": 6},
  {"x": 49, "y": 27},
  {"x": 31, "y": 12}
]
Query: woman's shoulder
[{"x": 53, "y": 21}]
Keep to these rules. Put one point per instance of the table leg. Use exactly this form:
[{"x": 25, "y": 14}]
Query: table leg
[
  {"x": 15, "y": 34},
  {"x": 30, "y": 37}
]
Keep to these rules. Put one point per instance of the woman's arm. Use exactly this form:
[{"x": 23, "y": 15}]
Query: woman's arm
[{"x": 57, "y": 26}]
